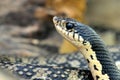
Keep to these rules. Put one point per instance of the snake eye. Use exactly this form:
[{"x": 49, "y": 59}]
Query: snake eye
[{"x": 69, "y": 25}]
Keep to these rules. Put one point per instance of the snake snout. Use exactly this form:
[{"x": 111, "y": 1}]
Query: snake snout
[{"x": 55, "y": 19}]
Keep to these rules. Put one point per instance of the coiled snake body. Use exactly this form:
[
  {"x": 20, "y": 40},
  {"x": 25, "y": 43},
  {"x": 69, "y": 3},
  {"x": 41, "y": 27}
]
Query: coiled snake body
[{"x": 90, "y": 45}]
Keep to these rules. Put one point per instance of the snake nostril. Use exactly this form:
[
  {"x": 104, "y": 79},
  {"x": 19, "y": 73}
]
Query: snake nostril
[{"x": 55, "y": 19}]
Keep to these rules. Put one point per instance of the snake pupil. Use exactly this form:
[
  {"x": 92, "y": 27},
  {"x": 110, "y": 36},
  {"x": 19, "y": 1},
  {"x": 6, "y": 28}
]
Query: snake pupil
[{"x": 69, "y": 25}]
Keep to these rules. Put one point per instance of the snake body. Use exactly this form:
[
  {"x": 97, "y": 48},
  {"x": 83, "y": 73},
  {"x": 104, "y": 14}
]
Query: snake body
[
  {"x": 34, "y": 68},
  {"x": 67, "y": 67},
  {"x": 92, "y": 47}
]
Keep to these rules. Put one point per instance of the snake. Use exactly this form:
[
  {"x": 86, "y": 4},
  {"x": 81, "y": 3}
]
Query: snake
[
  {"x": 67, "y": 67},
  {"x": 91, "y": 46}
]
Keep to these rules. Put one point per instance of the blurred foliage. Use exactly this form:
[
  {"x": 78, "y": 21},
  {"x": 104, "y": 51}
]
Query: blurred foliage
[{"x": 70, "y": 8}]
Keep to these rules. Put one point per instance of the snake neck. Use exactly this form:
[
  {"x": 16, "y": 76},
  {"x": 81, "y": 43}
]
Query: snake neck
[
  {"x": 103, "y": 55},
  {"x": 100, "y": 54},
  {"x": 94, "y": 64}
]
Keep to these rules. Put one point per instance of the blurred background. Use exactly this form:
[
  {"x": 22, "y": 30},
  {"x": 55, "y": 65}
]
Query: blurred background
[{"x": 26, "y": 26}]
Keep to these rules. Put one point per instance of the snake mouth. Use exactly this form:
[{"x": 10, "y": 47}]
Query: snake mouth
[
  {"x": 60, "y": 24},
  {"x": 67, "y": 29},
  {"x": 59, "y": 21}
]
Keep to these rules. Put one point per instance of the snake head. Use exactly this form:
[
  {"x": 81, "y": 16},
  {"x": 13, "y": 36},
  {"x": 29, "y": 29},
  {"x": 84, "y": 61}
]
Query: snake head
[{"x": 68, "y": 28}]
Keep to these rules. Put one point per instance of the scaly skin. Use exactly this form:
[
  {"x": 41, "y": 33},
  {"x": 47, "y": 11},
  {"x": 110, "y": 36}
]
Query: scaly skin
[
  {"x": 39, "y": 71},
  {"x": 91, "y": 46},
  {"x": 63, "y": 67}
]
